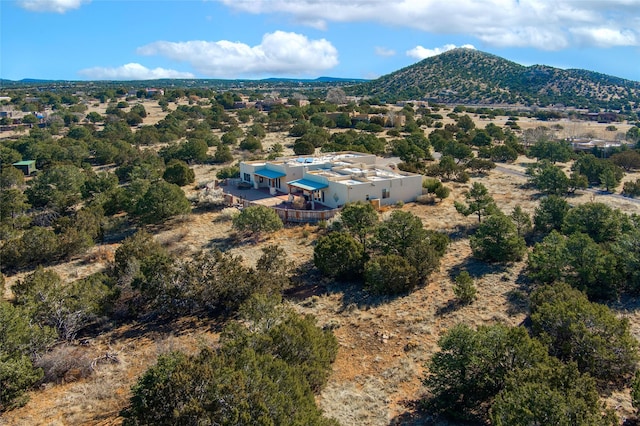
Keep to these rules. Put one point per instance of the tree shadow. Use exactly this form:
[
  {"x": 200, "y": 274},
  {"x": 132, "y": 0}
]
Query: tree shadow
[
  {"x": 518, "y": 298},
  {"x": 416, "y": 415},
  {"x": 164, "y": 325},
  {"x": 207, "y": 208},
  {"x": 477, "y": 268},
  {"x": 227, "y": 243},
  {"x": 308, "y": 282},
  {"x": 626, "y": 303},
  {"x": 460, "y": 232},
  {"x": 449, "y": 307}
]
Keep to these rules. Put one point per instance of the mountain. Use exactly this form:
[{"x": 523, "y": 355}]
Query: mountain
[{"x": 469, "y": 76}]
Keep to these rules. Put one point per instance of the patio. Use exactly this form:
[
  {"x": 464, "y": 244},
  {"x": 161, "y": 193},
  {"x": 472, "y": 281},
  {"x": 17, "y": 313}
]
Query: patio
[{"x": 242, "y": 197}]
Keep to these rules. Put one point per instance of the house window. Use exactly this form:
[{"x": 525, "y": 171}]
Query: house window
[
  {"x": 386, "y": 193},
  {"x": 261, "y": 179},
  {"x": 247, "y": 177}
]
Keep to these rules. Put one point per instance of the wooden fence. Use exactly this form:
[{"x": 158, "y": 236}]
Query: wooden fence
[
  {"x": 305, "y": 216},
  {"x": 287, "y": 215}
]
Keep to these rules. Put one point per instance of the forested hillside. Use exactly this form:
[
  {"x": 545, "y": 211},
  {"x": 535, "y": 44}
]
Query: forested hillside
[{"x": 468, "y": 76}]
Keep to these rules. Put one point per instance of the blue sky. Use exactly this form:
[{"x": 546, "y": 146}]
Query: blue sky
[{"x": 146, "y": 39}]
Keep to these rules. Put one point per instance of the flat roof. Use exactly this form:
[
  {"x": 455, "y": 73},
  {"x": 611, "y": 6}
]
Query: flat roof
[
  {"x": 269, "y": 174},
  {"x": 322, "y": 159},
  {"x": 307, "y": 184}
]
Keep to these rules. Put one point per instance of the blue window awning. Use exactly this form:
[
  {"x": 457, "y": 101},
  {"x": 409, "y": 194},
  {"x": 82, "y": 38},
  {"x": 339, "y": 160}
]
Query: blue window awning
[
  {"x": 269, "y": 174},
  {"x": 307, "y": 185}
]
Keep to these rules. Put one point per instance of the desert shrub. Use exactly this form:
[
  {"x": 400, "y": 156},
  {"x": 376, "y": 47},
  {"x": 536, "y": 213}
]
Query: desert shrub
[
  {"x": 584, "y": 332},
  {"x": 503, "y": 153},
  {"x": 36, "y": 245},
  {"x": 551, "y": 393},
  {"x": 553, "y": 151},
  {"x": 179, "y": 173},
  {"x": 17, "y": 375},
  {"x": 229, "y": 172},
  {"x": 251, "y": 143},
  {"x": 10, "y": 177},
  {"x": 548, "y": 178},
  {"x": 260, "y": 377},
  {"x": 136, "y": 256},
  {"x": 192, "y": 150},
  {"x": 478, "y": 202},
  {"x": 635, "y": 391},
  {"x": 162, "y": 201},
  {"x": 597, "y": 220},
  {"x": 497, "y": 240},
  {"x": 473, "y": 366},
  {"x": 14, "y": 208},
  {"x": 295, "y": 339},
  {"x": 223, "y": 154},
  {"x": 228, "y": 214},
  {"x": 303, "y": 148},
  {"x": 74, "y": 242},
  {"x": 480, "y": 165},
  {"x": 464, "y": 288},
  {"x": 359, "y": 219},
  {"x": 390, "y": 274},
  {"x": 59, "y": 188},
  {"x": 141, "y": 165},
  {"x": 426, "y": 199},
  {"x": 213, "y": 388},
  {"x": 65, "y": 363},
  {"x": 550, "y": 214},
  {"x": 435, "y": 187},
  {"x": 425, "y": 255},
  {"x": 339, "y": 255},
  {"x": 21, "y": 341},
  {"x": 66, "y": 307},
  {"x": 579, "y": 261},
  {"x": 255, "y": 220},
  {"x": 399, "y": 232},
  {"x": 546, "y": 262},
  {"x": 631, "y": 189},
  {"x": 208, "y": 282},
  {"x": 595, "y": 169},
  {"x": 447, "y": 169},
  {"x": 522, "y": 221},
  {"x": 211, "y": 197}
]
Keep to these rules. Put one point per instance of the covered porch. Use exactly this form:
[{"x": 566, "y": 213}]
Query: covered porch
[
  {"x": 311, "y": 190},
  {"x": 273, "y": 179}
]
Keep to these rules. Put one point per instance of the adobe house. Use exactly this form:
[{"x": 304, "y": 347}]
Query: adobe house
[
  {"x": 333, "y": 179},
  {"x": 26, "y": 166}
]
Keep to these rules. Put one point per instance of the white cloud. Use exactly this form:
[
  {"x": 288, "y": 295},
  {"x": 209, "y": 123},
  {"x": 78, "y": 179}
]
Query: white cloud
[
  {"x": 132, "y": 71},
  {"x": 603, "y": 37},
  {"x": 279, "y": 52},
  {"x": 57, "y": 6},
  {"x": 420, "y": 52},
  {"x": 542, "y": 24},
  {"x": 383, "y": 51}
]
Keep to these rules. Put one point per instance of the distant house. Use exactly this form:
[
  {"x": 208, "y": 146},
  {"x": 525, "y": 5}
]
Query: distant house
[
  {"x": 268, "y": 104},
  {"x": 334, "y": 179},
  {"x": 153, "y": 91},
  {"x": 601, "y": 117},
  {"x": 27, "y": 166}
]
